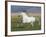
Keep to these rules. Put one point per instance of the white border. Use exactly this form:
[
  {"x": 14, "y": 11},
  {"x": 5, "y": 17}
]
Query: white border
[{"x": 24, "y": 32}]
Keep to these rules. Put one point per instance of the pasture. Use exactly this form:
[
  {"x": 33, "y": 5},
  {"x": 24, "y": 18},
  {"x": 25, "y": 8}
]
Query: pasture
[{"x": 18, "y": 25}]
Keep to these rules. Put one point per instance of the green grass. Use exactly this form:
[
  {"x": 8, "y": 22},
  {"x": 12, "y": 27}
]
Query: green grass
[{"x": 17, "y": 25}]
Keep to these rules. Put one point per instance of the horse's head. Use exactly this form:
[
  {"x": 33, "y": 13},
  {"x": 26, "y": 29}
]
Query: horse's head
[{"x": 23, "y": 14}]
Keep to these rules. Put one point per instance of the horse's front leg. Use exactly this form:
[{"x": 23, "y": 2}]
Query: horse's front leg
[{"x": 32, "y": 24}]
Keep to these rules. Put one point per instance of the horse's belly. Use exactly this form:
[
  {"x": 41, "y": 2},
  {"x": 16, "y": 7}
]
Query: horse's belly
[{"x": 28, "y": 20}]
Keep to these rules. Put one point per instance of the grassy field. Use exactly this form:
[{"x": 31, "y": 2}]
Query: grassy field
[{"x": 17, "y": 25}]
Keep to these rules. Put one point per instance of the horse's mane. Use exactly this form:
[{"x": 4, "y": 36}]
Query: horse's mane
[{"x": 24, "y": 14}]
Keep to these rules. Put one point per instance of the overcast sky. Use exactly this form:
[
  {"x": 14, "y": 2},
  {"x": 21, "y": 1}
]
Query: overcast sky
[{"x": 33, "y": 9}]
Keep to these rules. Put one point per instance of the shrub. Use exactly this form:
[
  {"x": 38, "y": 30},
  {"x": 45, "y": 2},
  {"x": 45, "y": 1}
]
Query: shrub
[{"x": 17, "y": 25}]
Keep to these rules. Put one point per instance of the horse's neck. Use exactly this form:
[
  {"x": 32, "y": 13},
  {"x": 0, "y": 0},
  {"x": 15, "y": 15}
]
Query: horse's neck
[{"x": 24, "y": 15}]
